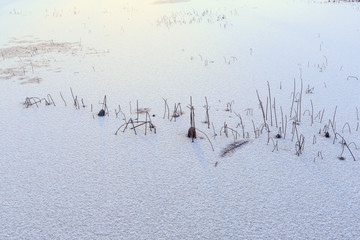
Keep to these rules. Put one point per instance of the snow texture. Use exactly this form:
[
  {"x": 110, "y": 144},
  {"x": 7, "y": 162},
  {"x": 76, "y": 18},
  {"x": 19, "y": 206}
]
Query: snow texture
[{"x": 64, "y": 174}]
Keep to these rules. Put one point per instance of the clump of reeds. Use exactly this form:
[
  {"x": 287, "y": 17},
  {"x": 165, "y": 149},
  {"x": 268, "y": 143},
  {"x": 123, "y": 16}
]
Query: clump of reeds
[
  {"x": 29, "y": 101},
  {"x": 147, "y": 123}
]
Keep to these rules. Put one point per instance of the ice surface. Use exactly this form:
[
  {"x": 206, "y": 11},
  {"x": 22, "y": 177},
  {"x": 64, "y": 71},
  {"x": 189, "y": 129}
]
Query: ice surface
[{"x": 64, "y": 174}]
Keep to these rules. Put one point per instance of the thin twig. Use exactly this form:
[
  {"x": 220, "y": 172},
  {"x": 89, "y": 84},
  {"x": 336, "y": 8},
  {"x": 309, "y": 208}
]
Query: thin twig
[
  {"x": 63, "y": 99},
  {"x": 207, "y": 138}
]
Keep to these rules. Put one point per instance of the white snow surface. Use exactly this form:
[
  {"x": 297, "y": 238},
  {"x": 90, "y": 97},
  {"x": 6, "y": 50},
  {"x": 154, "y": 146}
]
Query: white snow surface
[{"x": 64, "y": 174}]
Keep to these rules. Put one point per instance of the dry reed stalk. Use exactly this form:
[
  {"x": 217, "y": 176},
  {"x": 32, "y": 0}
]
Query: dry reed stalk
[
  {"x": 276, "y": 123},
  {"x": 344, "y": 144},
  {"x": 293, "y": 100},
  {"x": 166, "y": 109},
  {"x": 63, "y": 99},
  {"x": 214, "y": 130},
  {"x": 207, "y": 138},
  {"x": 346, "y": 124},
  {"x": 137, "y": 111},
  {"x": 312, "y": 112},
  {"x": 271, "y": 120},
  {"x": 241, "y": 124},
  {"x": 282, "y": 119},
  {"x": 192, "y": 129},
  {"x": 207, "y": 113},
  {"x": 261, "y": 106}
]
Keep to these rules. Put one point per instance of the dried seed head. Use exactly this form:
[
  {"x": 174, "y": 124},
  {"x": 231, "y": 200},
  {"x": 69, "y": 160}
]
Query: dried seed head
[
  {"x": 101, "y": 113},
  {"x": 192, "y": 133}
]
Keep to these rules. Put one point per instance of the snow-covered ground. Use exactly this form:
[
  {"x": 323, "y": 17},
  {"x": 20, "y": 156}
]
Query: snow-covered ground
[{"x": 65, "y": 174}]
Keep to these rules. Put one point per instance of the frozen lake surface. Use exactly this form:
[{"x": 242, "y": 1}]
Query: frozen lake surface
[{"x": 65, "y": 174}]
